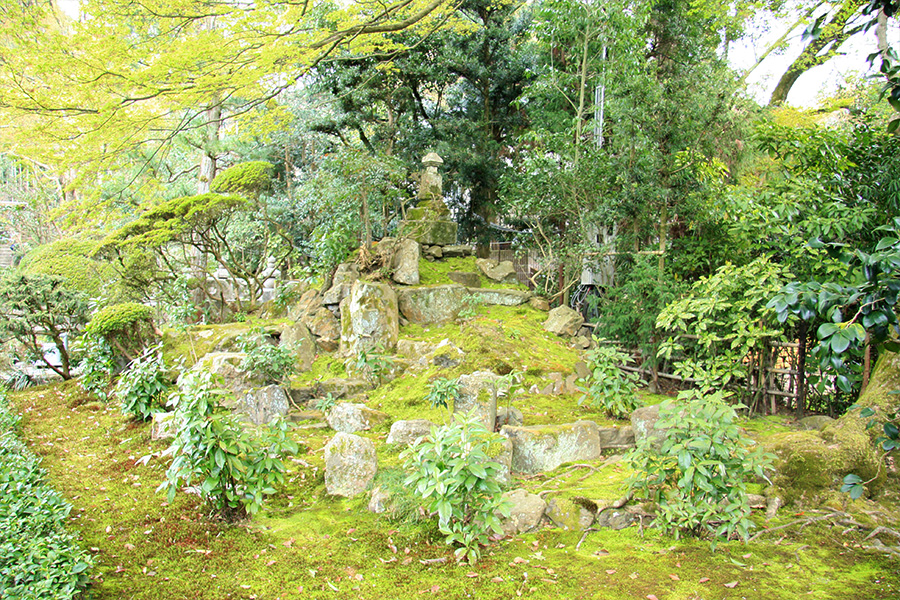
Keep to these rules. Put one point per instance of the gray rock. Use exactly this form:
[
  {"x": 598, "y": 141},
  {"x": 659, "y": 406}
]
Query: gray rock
[
  {"x": 643, "y": 423},
  {"x": 434, "y": 252},
  {"x": 509, "y": 416},
  {"x": 343, "y": 388},
  {"x": 525, "y": 513},
  {"x": 262, "y": 405},
  {"x": 538, "y": 449},
  {"x": 369, "y": 318},
  {"x": 539, "y": 303},
  {"x": 432, "y": 305},
  {"x": 503, "y": 272},
  {"x": 466, "y": 278},
  {"x": 458, "y": 251},
  {"x": 615, "y": 518},
  {"x": 504, "y": 459},
  {"x": 563, "y": 321},
  {"x": 501, "y": 297},
  {"x": 406, "y": 262},
  {"x": 302, "y": 344},
  {"x": 422, "y": 354},
  {"x": 407, "y": 432},
  {"x": 227, "y": 365},
  {"x": 327, "y": 329},
  {"x": 616, "y": 437},
  {"x": 568, "y": 515},
  {"x": 345, "y": 276},
  {"x": 306, "y": 307},
  {"x": 582, "y": 370},
  {"x": 350, "y": 465},
  {"x": 350, "y": 418},
  {"x": 582, "y": 342},
  {"x": 476, "y": 396},
  {"x": 381, "y": 501},
  {"x": 163, "y": 426}
]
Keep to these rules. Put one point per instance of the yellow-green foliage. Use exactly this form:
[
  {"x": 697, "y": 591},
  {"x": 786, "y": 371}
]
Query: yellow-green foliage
[
  {"x": 72, "y": 260},
  {"x": 435, "y": 273},
  {"x": 170, "y": 220},
  {"x": 118, "y": 318},
  {"x": 247, "y": 179}
]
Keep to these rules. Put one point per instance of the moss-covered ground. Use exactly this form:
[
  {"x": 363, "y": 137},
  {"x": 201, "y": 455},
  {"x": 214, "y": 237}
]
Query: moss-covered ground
[{"x": 306, "y": 544}]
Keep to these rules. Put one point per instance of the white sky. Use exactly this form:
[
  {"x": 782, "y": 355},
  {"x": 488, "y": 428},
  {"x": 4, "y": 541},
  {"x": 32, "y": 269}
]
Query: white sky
[{"x": 762, "y": 81}]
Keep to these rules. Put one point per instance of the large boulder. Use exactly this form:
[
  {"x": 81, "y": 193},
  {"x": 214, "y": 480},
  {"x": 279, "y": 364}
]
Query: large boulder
[
  {"x": 350, "y": 465},
  {"x": 544, "y": 448},
  {"x": 407, "y": 432},
  {"x": 302, "y": 344},
  {"x": 349, "y": 417},
  {"x": 432, "y": 305},
  {"x": 566, "y": 514},
  {"x": 525, "y": 512},
  {"x": 503, "y": 272},
  {"x": 163, "y": 426},
  {"x": 327, "y": 329},
  {"x": 306, "y": 307},
  {"x": 262, "y": 405},
  {"x": 445, "y": 354},
  {"x": 345, "y": 276},
  {"x": 501, "y": 297},
  {"x": 406, "y": 262},
  {"x": 477, "y": 396},
  {"x": 643, "y": 426},
  {"x": 563, "y": 321},
  {"x": 369, "y": 318},
  {"x": 616, "y": 437},
  {"x": 466, "y": 278},
  {"x": 458, "y": 251},
  {"x": 227, "y": 365}
]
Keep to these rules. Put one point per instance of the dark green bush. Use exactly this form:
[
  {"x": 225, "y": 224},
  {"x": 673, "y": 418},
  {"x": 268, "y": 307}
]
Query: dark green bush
[
  {"x": 127, "y": 328},
  {"x": 142, "y": 387},
  {"x": 39, "y": 559}
]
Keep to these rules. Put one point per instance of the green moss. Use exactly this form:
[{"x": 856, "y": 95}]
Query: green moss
[
  {"x": 436, "y": 273},
  {"x": 72, "y": 259},
  {"x": 247, "y": 179},
  {"x": 118, "y": 318}
]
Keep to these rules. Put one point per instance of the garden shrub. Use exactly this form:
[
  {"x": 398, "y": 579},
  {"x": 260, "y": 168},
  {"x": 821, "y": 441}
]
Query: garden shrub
[
  {"x": 126, "y": 327},
  {"x": 73, "y": 260},
  {"x": 232, "y": 467},
  {"x": 452, "y": 472},
  {"x": 98, "y": 366},
  {"x": 39, "y": 559},
  {"x": 41, "y": 303},
  {"x": 264, "y": 358},
  {"x": 609, "y": 387},
  {"x": 698, "y": 477},
  {"x": 142, "y": 386},
  {"x": 247, "y": 179}
]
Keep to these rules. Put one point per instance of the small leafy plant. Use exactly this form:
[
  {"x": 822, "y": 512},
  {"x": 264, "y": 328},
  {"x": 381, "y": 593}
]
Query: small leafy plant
[
  {"x": 609, "y": 387},
  {"x": 98, "y": 366},
  {"x": 373, "y": 365},
  {"x": 232, "y": 467},
  {"x": 698, "y": 477},
  {"x": 271, "y": 362},
  {"x": 327, "y": 403},
  {"x": 38, "y": 557},
  {"x": 142, "y": 387},
  {"x": 442, "y": 392},
  {"x": 453, "y": 473},
  {"x": 471, "y": 303}
]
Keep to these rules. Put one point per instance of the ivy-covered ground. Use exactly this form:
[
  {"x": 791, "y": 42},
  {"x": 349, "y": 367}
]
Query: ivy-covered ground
[{"x": 306, "y": 544}]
